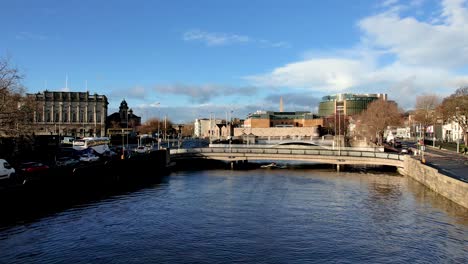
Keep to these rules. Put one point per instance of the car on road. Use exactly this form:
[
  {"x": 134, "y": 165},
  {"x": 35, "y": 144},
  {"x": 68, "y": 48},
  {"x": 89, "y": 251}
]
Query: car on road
[
  {"x": 66, "y": 162},
  {"x": 33, "y": 167},
  {"x": 6, "y": 170},
  {"x": 142, "y": 149},
  {"x": 89, "y": 158},
  {"x": 32, "y": 171}
]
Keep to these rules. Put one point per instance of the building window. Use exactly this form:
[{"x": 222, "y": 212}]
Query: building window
[{"x": 74, "y": 117}]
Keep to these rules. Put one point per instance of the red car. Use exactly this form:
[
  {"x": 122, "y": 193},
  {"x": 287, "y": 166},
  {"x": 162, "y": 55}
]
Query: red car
[
  {"x": 32, "y": 171},
  {"x": 33, "y": 167}
]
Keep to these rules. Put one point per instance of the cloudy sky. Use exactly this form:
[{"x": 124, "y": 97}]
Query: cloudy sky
[{"x": 188, "y": 59}]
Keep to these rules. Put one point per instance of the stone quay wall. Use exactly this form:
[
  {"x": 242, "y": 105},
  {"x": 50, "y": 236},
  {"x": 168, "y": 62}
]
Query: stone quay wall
[{"x": 451, "y": 188}]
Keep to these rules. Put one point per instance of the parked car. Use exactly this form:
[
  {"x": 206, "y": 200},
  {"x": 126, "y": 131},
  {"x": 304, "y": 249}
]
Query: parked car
[
  {"x": 66, "y": 162},
  {"x": 32, "y": 171},
  {"x": 397, "y": 144},
  {"x": 142, "y": 149},
  {"x": 6, "y": 170},
  {"x": 89, "y": 158},
  {"x": 33, "y": 167}
]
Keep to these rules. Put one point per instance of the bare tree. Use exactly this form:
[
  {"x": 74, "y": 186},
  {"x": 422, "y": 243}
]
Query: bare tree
[
  {"x": 425, "y": 111},
  {"x": 154, "y": 125},
  {"x": 379, "y": 114},
  {"x": 455, "y": 108},
  {"x": 16, "y": 110},
  {"x": 9, "y": 78}
]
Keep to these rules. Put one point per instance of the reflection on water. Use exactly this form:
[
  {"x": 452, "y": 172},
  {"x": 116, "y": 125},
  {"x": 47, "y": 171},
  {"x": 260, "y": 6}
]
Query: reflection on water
[
  {"x": 431, "y": 199},
  {"x": 255, "y": 216}
]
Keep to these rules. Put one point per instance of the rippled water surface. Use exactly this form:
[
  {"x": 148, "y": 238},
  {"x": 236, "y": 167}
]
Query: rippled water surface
[{"x": 257, "y": 216}]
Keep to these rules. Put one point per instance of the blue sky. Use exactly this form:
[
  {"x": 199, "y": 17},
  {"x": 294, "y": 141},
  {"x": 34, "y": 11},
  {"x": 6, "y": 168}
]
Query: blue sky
[{"x": 187, "y": 59}]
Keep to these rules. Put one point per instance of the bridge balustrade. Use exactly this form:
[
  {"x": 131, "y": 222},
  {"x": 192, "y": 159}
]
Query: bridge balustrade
[{"x": 291, "y": 151}]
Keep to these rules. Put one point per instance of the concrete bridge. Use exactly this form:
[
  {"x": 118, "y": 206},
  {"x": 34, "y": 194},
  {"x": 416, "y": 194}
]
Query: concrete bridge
[{"x": 330, "y": 156}]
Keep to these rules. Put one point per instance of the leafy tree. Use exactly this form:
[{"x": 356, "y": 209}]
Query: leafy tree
[
  {"x": 379, "y": 114},
  {"x": 455, "y": 108}
]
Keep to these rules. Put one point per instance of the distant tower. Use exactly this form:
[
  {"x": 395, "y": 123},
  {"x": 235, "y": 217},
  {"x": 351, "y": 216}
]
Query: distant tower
[
  {"x": 281, "y": 103},
  {"x": 123, "y": 110}
]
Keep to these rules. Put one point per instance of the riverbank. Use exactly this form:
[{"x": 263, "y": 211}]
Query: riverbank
[{"x": 449, "y": 187}]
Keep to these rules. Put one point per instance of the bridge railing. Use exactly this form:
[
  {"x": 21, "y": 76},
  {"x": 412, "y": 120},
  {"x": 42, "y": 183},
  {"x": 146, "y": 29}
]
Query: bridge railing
[{"x": 290, "y": 151}]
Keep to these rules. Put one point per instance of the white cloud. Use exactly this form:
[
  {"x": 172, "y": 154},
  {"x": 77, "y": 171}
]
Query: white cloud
[
  {"x": 317, "y": 74},
  {"x": 219, "y": 39},
  {"x": 214, "y": 39},
  {"x": 401, "y": 55},
  {"x": 24, "y": 35},
  {"x": 417, "y": 42},
  {"x": 389, "y": 3},
  {"x": 204, "y": 93}
]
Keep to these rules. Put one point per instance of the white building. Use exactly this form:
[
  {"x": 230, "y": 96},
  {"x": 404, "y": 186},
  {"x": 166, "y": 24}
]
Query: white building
[
  {"x": 208, "y": 128},
  {"x": 452, "y": 132}
]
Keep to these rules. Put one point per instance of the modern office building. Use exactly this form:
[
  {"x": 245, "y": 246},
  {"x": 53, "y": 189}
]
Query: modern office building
[
  {"x": 347, "y": 104},
  {"x": 69, "y": 113}
]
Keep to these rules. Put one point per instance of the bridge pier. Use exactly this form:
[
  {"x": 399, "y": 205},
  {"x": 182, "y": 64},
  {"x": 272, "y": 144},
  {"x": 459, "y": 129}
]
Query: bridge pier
[
  {"x": 337, "y": 167},
  {"x": 238, "y": 163}
]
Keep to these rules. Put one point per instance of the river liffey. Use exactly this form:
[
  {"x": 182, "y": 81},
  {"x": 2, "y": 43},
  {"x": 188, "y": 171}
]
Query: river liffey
[{"x": 248, "y": 216}]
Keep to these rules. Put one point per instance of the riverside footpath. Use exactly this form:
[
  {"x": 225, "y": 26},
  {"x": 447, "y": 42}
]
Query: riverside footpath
[{"x": 448, "y": 162}]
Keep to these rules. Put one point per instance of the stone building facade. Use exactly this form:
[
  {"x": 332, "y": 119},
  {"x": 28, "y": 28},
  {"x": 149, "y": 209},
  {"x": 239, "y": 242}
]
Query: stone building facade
[
  {"x": 76, "y": 114},
  {"x": 123, "y": 121}
]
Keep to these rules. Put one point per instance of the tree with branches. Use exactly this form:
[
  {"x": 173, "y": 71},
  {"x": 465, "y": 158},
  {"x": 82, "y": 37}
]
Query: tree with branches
[
  {"x": 378, "y": 116},
  {"x": 154, "y": 125},
  {"x": 16, "y": 110},
  {"x": 455, "y": 109},
  {"x": 425, "y": 110}
]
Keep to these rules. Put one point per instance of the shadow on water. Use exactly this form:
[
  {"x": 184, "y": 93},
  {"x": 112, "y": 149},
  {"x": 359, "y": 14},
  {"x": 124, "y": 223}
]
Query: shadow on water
[
  {"x": 25, "y": 204},
  {"x": 198, "y": 164}
]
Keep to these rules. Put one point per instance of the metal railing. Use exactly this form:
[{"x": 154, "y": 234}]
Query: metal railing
[{"x": 287, "y": 151}]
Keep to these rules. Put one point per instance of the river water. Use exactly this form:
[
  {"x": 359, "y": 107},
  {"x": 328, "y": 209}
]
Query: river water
[{"x": 247, "y": 216}]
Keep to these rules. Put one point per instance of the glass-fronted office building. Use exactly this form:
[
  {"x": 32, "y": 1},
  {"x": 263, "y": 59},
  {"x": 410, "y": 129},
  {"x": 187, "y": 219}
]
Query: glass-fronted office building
[{"x": 347, "y": 104}]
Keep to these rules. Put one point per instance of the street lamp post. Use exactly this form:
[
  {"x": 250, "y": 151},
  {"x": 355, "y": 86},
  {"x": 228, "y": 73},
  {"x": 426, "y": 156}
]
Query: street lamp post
[
  {"x": 458, "y": 128},
  {"x": 339, "y": 109},
  {"x": 211, "y": 126},
  {"x": 159, "y": 120},
  {"x": 123, "y": 146},
  {"x": 126, "y": 132}
]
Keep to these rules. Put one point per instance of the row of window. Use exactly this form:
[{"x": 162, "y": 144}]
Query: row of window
[{"x": 74, "y": 118}]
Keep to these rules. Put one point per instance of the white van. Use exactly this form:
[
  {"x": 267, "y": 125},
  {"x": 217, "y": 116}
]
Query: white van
[{"x": 6, "y": 171}]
